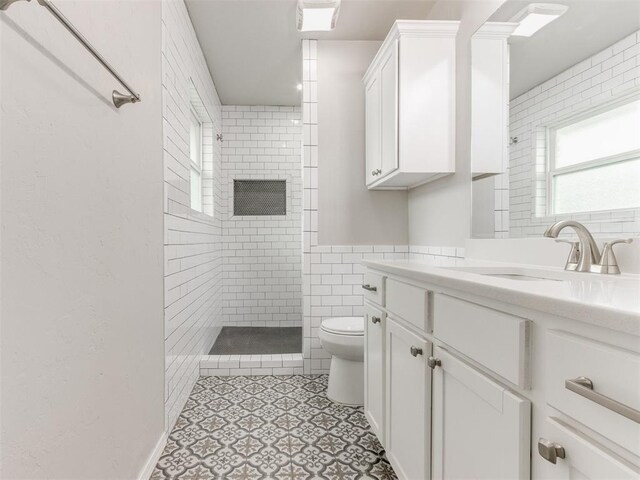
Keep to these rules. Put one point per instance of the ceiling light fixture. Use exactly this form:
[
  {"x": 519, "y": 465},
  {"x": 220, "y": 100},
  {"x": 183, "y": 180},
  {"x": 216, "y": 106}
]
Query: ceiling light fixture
[
  {"x": 299, "y": 87},
  {"x": 535, "y": 16},
  {"x": 317, "y": 15}
]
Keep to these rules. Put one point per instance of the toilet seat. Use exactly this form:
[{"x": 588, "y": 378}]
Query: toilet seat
[{"x": 347, "y": 326}]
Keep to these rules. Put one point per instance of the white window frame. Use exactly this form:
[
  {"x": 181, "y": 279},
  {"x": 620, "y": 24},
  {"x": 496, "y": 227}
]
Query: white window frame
[
  {"x": 553, "y": 171},
  {"x": 194, "y": 166}
]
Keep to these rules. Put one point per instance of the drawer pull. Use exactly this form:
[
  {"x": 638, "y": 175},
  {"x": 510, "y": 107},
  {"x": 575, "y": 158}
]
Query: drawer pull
[
  {"x": 370, "y": 288},
  {"x": 415, "y": 351},
  {"x": 375, "y": 319},
  {"x": 550, "y": 451},
  {"x": 584, "y": 387},
  {"x": 433, "y": 362}
]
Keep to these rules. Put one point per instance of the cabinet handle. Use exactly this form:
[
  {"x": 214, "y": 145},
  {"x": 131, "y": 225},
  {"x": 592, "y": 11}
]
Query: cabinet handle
[
  {"x": 376, "y": 172},
  {"x": 370, "y": 288},
  {"x": 550, "y": 451},
  {"x": 433, "y": 362},
  {"x": 375, "y": 319},
  {"x": 415, "y": 351},
  {"x": 584, "y": 387}
]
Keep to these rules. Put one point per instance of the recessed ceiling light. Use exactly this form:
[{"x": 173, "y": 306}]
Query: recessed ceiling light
[
  {"x": 299, "y": 87},
  {"x": 535, "y": 16},
  {"x": 317, "y": 15}
]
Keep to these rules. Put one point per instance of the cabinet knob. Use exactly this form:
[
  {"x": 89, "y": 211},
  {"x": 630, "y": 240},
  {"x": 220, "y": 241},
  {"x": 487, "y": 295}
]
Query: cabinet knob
[
  {"x": 375, "y": 319},
  {"x": 376, "y": 172},
  {"x": 550, "y": 451},
  {"x": 415, "y": 351},
  {"x": 433, "y": 362}
]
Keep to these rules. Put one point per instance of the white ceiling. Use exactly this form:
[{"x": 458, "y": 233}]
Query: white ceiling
[
  {"x": 588, "y": 27},
  {"x": 253, "y": 49}
]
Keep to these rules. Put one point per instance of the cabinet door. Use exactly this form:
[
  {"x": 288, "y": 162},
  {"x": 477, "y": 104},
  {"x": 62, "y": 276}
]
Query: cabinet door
[
  {"x": 374, "y": 326},
  {"x": 408, "y": 402},
  {"x": 389, "y": 110},
  {"x": 372, "y": 130},
  {"x": 481, "y": 430},
  {"x": 584, "y": 459}
]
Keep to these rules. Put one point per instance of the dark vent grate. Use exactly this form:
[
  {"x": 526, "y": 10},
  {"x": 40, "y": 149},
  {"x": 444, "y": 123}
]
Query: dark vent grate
[{"x": 259, "y": 197}]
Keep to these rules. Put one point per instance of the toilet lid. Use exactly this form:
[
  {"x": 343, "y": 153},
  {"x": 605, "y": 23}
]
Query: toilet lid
[{"x": 344, "y": 325}]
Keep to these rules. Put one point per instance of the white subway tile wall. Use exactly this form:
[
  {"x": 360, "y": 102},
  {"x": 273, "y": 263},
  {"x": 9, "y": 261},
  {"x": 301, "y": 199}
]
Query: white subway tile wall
[
  {"x": 520, "y": 193},
  {"x": 262, "y": 255},
  {"x": 192, "y": 243}
]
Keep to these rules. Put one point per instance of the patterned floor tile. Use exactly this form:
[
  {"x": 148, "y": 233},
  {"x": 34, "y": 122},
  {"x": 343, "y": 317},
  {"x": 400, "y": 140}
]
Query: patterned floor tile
[{"x": 270, "y": 428}]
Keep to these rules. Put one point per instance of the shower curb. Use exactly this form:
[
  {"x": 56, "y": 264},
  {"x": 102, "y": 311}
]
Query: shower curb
[{"x": 268, "y": 364}]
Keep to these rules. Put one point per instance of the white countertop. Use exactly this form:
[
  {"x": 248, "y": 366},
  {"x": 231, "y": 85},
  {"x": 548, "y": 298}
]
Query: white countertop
[{"x": 610, "y": 301}]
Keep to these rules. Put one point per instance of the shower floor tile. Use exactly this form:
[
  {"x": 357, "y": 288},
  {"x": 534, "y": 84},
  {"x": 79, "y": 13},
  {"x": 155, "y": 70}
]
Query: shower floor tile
[
  {"x": 270, "y": 428},
  {"x": 257, "y": 340}
]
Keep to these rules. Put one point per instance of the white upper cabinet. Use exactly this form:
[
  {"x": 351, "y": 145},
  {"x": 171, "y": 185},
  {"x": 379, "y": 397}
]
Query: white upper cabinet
[
  {"x": 490, "y": 99},
  {"x": 372, "y": 133},
  {"x": 410, "y": 106}
]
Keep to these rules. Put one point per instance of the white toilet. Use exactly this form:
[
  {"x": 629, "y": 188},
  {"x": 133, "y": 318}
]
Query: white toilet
[{"x": 343, "y": 338}]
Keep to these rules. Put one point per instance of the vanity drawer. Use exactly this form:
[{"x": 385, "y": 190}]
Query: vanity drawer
[
  {"x": 615, "y": 375},
  {"x": 496, "y": 340},
  {"x": 584, "y": 458},
  {"x": 409, "y": 303},
  {"x": 373, "y": 287}
]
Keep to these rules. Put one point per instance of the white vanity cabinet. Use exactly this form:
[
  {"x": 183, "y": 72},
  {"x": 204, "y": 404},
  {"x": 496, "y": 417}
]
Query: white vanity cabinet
[
  {"x": 410, "y": 105},
  {"x": 481, "y": 429},
  {"x": 584, "y": 459},
  {"x": 475, "y": 386},
  {"x": 408, "y": 399},
  {"x": 374, "y": 365}
]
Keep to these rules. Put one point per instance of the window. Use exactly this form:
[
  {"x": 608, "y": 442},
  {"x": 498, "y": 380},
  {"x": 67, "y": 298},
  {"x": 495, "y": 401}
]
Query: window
[
  {"x": 594, "y": 160},
  {"x": 195, "y": 154},
  {"x": 259, "y": 197}
]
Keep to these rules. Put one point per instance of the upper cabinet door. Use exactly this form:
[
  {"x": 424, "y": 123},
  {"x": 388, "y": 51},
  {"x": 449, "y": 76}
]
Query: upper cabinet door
[
  {"x": 408, "y": 402},
  {"x": 490, "y": 99},
  {"x": 389, "y": 109},
  {"x": 375, "y": 321},
  {"x": 372, "y": 130},
  {"x": 481, "y": 429}
]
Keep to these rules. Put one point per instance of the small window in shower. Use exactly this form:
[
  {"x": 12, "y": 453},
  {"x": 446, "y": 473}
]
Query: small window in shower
[{"x": 259, "y": 197}]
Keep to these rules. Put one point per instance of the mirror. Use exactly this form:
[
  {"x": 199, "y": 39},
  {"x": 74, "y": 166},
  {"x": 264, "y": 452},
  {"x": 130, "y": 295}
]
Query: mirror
[{"x": 573, "y": 121}]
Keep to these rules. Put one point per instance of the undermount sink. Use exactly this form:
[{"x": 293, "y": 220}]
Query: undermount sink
[{"x": 514, "y": 273}]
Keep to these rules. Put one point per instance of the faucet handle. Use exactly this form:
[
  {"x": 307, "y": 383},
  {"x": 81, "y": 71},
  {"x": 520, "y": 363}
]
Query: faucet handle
[
  {"x": 574, "y": 254},
  {"x": 622, "y": 240},
  {"x": 608, "y": 261}
]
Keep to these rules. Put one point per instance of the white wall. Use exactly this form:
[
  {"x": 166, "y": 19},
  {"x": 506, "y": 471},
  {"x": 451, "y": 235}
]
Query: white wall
[
  {"x": 349, "y": 213},
  {"x": 262, "y": 254},
  {"x": 593, "y": 82},
  {"x": 81, "y": 209},
  {"x": 193, "y": 241},
  {"x": 440, "y": 211}
]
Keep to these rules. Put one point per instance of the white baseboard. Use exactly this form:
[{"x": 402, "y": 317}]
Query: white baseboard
[{"x": 147, "y": 470}]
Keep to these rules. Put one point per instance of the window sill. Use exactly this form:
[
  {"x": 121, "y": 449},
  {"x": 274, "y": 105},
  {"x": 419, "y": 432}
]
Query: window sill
[{"x": 195, "y": 215}]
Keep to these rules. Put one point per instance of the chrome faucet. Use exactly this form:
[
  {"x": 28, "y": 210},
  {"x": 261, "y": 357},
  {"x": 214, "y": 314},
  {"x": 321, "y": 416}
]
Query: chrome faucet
[{"x": 585, "y": 255}]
